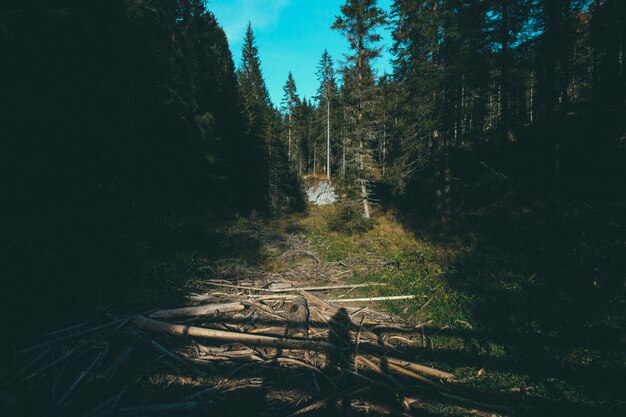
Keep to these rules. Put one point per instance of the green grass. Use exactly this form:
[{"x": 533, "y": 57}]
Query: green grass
[{"x": 539, "y": 336}]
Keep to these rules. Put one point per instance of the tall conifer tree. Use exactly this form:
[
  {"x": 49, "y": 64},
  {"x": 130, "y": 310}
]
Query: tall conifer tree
[
  {"x": 359, "y": 22},
  {"x": 258, "y": 110},
  {"x": 326, "y": 96},
  {"x": 290, "y": 102}
]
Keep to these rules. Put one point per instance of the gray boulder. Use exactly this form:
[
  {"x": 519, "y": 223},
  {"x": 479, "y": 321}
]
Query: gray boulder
[{"x": 322, "y": 194}]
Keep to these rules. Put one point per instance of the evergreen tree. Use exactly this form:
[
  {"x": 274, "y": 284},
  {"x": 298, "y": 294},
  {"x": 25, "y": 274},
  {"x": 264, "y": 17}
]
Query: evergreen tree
[
  {"x": 326, "y": 96},
  {"x": 252, "y": 87},
  {"x": 289, "y": 103},
  {"x": 359, "y": 22},
  {"x": 258, "y": 110}
]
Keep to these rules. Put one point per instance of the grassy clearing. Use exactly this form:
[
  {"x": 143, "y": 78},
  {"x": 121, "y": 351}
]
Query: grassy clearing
[
  {"x": 543, "y": 336},
  {"x": 523, "y": 308}
]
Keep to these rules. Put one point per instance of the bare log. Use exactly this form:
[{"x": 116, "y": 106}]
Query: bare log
[
  {"x": 382, "y": 373},
  {"x": 420, "y": 368},
  {"x": 322, "y": 403},
  {"x": 298, "y": 315},
  {"x": 72, "y": 336},
  {"x": 333, "y": 287},
  {"x": 370, "y": 299},
  {"x": 414, "y": 375},
  {"x": 145, "y": 323},
  {"x": 296, "y": 289},
  {"x": 205, "y": 310},
  {"x": 478, "y": 408},
  {"x": 80, "y": 378},
  {"x": 167, "y": 408}
]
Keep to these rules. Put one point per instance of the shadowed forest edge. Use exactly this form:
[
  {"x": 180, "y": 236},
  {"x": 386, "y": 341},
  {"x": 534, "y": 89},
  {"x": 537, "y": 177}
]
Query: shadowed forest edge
[{"x": 485, "y": 176}]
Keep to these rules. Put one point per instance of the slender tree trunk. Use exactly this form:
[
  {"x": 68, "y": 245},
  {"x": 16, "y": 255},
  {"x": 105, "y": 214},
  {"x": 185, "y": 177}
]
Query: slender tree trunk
[
  {"x": 364, "y": 196},
  {"x": 289, "y": 151},
  {"x": 384, "y": 148},
  {"x": 343, "y": 155},
  {"x": 328, "y": 139},
  {"x": 361, "y": 131},
  {"x": 447, "y": 189},
  {"x": 532, "y": 97},
  {"x": 504, "y": 72}
]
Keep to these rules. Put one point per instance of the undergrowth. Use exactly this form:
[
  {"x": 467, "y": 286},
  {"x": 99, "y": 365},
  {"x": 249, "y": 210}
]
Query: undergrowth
[{"x": 544, "y": 338}]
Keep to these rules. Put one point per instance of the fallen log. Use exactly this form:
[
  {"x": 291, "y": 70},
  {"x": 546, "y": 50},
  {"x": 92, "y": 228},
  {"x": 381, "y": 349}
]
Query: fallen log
[
  {"x": 420, "y": 368},
  {"x": 325, "y": 401},
  {"x": 416, "y": 376},
  {"x": 148, "y": 324},
  {"x": 296, "y": 289},
  {"x": 332, "y": 287},
  {"x": 167, "y": 408},
  {"x": 369, "y": 299},
  {"x": 298, "y": 316},
  {"x": 72, "y": 336},
  {"x": 205, "y": 310}
]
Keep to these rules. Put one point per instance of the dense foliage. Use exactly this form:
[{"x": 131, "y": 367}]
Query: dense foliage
[{"x": 123, "y": 121}]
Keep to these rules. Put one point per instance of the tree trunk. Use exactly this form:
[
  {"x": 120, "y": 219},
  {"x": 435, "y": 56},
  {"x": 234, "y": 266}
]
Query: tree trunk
[
  {"x": 289, "y": 151},
  {"x": 366, "y": 204},
  {"x": 328, "y": 139}
]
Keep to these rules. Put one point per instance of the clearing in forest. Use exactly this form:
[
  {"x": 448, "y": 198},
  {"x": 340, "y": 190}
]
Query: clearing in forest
[{"x": 313, "y": 321}]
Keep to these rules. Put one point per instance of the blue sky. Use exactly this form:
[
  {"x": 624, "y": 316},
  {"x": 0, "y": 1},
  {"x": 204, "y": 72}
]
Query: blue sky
[{"x": 291, "y": 36}]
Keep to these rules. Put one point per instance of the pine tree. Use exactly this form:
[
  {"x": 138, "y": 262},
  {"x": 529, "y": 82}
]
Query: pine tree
[
  {"x": 289, "y": 104},
  {"x": 258, "y": 110},
  {"x": 508, "y": 24},
  {"x": 252, "y": 87},
  {"x": 359, "y": 22},
  {"x": 326, "y": 96}
]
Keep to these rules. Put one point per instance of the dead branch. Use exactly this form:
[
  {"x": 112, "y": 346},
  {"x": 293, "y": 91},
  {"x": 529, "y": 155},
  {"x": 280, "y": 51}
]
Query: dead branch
[
  {"x": 169, "y": 408},
  {"x": 370, "y": 299},
  {"x": 322, "y": 403},
  {"x": 227, "y": 337},
  {"x": 205, "y": 310},
  {"x": 80, "y": 378},
  {"x": 420, "y": 368}
]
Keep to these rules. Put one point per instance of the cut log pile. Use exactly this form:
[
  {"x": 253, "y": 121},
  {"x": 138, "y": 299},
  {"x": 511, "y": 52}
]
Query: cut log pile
[{"x": 303, "y": 348}]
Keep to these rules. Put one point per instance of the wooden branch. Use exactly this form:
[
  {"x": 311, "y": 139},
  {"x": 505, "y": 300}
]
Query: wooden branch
[
  {"x": 370, "y": 299},
  {"x": 482, "y": 407},
  {"x": 167, "y": 408},
  {"x": 82, "y": 376},
  {"x": 228, "y": 337},
  {"x": 333, "y": 287},
  {"x": 296, "y": 289},
  {"x": 384, "y": 409},
  {"x": 53, "y": 363},
  {"x": 356, "y": 347},
  {"x": 205, "y": 310},
  {"x": 71, "y": 336},
  {"x": 322, "y": 403},
  {"x": 33, "y": 362},
  {"x": 420, "y": 368},
  {"x": 414, "y": 375},
  {"x": 382, "y": 373}
]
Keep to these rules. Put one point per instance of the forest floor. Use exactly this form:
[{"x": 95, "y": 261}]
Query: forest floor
[{"x": 540, "y": 338}]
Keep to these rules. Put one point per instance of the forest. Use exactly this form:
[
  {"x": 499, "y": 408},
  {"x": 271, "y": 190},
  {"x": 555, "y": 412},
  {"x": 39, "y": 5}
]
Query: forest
[{"x": 474, "y": 262}]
